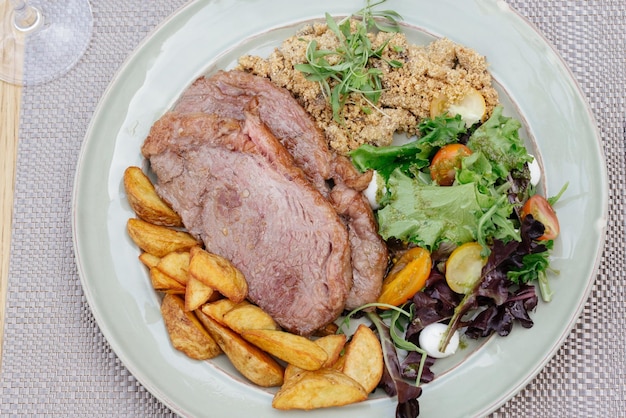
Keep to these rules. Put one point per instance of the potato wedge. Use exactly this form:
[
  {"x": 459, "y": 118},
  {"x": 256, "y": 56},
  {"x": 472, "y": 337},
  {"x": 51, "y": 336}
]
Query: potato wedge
[
  {"x": 248, "y": 316},
  {"x": 292, "y": 372},
  {"x": 145, "y": 201},
  {"x": 294, "y": 349},
  {"x": 218, "y": 273},
  {"x": 149, "y": 260},
  {"x": 164, "y": 283},
  {"x": 363, "y": 360},
  {"x": 250, "y": 361},
  {"x": 332, "y": 344},
  {"x": 176, "y": 265},
  {"x": 216, "y": 310},
  {"x": 185, "y": 330},
  {"x": 158, "y": 240},
  {"x": 319, "y": 389},
  {"x": 196, "y": 294}
]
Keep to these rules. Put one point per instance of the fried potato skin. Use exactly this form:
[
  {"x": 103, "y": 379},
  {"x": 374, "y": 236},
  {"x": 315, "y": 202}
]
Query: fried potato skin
[
  {"x": 291, "y": 348},
  {"x": 219, "y": 308},
  {"x": 197, "y": 294},
  {"x": 363, "y": 360},
  {"x": 158, "y": 240},
  {"x": 333, "y": 345},
  {"x": 318, "y": 389},
  {"x": 161, "y": 282},
  {"x": 218, "y": 273},
  {"x": 145, "y": 201},
  {"x": 149, "y": 260},
  {"x": 250, "y": 361},
  {"x": 248, "y": 316},
  {"x": 186, "y": 332},
  {"x": 176, "y": 265}
]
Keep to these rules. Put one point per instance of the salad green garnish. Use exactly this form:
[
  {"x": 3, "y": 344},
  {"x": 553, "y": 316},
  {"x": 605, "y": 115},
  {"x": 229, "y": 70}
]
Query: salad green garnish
[
  {"x": 476, "y": 208},
  {"x": 427, "y": 215},
  {"x": 482, "y": 205},
  {"x": 498, "y": 141}
]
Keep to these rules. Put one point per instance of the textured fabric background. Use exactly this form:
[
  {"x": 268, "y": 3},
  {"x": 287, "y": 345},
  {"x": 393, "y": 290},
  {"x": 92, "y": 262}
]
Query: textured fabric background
[{"x": 56, "y": 361}]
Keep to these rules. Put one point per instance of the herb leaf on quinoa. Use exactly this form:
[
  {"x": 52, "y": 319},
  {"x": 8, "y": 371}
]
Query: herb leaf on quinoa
[{"x": 346, "y": 69}]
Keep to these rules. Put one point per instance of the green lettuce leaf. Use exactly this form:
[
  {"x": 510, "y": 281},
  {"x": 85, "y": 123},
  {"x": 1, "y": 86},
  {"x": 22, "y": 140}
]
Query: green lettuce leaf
[
  {"x": 428, "y": 215},
  {"x": 414, "y": 155},
  {"x": 498, "y": 140}
]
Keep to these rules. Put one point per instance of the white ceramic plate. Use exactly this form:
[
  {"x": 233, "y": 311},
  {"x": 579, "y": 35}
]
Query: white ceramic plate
[{"x": 207, "y": 35}]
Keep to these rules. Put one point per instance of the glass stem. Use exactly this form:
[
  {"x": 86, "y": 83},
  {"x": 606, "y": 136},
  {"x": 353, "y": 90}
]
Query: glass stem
[{"x": 26, "y": 17}]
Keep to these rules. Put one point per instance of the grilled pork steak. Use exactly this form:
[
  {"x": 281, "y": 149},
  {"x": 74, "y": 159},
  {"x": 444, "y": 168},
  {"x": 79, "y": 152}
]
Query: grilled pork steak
[{"x": 238, "y": 189}]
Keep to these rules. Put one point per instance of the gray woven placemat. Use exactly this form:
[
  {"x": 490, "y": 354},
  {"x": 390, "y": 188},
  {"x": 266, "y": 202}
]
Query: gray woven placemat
[{"x": 57, "y": 362}]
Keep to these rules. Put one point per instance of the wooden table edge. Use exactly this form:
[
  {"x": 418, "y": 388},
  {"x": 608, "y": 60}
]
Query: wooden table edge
[
  {"x": 10, "y": 98},
  {"x": 10, "y": 101}
]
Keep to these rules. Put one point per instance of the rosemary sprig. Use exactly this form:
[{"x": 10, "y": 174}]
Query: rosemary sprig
[{"x": 350, "y": 71}]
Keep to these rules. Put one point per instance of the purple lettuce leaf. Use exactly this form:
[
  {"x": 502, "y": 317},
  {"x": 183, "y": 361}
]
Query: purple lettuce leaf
[
  {"x": 500, "y": 318},
  {"x": 411, "y": 365},
  {"x": 492, "y": 290},
  {"x": 434, "y": 304}
]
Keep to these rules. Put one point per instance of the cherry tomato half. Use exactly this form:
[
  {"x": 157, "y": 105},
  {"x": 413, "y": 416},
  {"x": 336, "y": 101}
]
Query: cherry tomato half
[
  {"x": 464, "y": 267},
  {"x": 542, "y": 211},
  {"x": 445, "y": 163}
]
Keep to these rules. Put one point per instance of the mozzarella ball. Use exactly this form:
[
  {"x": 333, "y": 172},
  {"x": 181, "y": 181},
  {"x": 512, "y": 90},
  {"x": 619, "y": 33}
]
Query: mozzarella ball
[{"x": 431, "y": 336}]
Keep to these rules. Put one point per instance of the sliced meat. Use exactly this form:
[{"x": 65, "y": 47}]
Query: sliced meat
[
  {"x": 343, "y": 171},
  {"x": 369, "y": 251},
  {"x": 227, "y": 93},
  {"x": 238, "y": 189}
]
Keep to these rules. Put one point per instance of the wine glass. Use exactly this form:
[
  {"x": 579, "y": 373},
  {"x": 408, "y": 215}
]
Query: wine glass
[{"x": 42, "y": 40}]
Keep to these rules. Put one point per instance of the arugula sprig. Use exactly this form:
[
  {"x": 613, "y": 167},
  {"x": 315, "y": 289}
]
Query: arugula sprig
[{"x": 346, "y": 69}]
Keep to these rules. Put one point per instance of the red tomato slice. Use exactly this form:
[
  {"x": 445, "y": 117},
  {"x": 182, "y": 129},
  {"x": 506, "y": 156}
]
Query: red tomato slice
[
  {"x": 542, "y": 211},
  {"x": 446, "y": 162}
]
